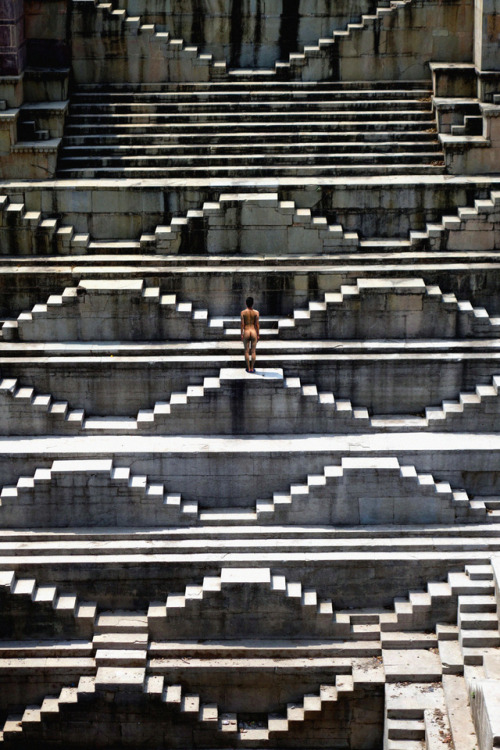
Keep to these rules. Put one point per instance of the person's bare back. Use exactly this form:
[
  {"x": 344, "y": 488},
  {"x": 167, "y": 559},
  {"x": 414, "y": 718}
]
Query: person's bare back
[{"x": 250, "y": 333}]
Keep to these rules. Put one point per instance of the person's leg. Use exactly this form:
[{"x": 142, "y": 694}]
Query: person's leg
[
  {"x": 246, "y": 344},
  {"x": 254, "y": 353}
]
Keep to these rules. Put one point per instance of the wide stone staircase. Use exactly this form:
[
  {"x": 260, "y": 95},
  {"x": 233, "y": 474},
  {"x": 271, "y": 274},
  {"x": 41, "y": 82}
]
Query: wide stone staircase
[
  {"x": 249, "y": 129},
  {"x": 196, "y": 557}
]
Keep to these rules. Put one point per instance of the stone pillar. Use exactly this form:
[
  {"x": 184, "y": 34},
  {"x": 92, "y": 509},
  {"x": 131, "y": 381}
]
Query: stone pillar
[
  {"x": 12, "y": 44},
  {"x": 487, "y": 34}
]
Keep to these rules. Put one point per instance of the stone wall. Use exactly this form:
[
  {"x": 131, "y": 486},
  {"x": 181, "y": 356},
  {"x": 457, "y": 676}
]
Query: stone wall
[
  {"x": 111, "y": 47},
  {"x": 12, "y": 38},
  {"x": 46, "y": 28},
  {"x": 250, "y": 33}
]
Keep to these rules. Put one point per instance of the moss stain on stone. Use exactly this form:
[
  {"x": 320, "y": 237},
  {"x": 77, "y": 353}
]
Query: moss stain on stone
[
  {"x": 289, "y": 28},
  {"x": 236, "y": 33}
]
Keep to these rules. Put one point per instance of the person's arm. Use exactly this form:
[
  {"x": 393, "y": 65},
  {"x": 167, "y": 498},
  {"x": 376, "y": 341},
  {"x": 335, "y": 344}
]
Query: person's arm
[
  {"x": 257, "y": 326},
  {"x": 242, "y": 325}
]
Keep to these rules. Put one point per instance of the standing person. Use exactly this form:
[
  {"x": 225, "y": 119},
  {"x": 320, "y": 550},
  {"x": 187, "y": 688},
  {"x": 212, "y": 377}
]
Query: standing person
[{"x": 250, "y": 333}]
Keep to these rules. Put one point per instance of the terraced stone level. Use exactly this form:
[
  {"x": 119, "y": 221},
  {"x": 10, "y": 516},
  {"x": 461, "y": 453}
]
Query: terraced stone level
[
  {"x": 250, "y": 129},
  {"x": 197, "y": 557}
]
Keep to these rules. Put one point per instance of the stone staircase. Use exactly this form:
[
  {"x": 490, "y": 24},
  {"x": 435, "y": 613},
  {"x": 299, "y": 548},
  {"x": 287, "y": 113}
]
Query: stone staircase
[
  {"x": 192, "y": 556},
  {"x": 420, "y": 669},
  {"x": 247, "y": 131},
  {"x": 67, "y": 608},
  {"x": 264, "y": 223},
  {"x": 130, "y": 309},
  {"x": 62, "y": 708},
  {"x": 286, "y": 403},
  {"x": 328, "y": 498}
]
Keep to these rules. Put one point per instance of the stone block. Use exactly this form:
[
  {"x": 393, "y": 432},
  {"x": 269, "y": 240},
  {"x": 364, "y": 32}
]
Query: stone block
[
  {"x": 484, "y": 698},
  {"x": 120, "y": 680}
]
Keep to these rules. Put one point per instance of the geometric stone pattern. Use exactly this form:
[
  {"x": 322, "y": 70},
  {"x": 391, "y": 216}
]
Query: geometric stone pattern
[{"x": 196, "y": 556}]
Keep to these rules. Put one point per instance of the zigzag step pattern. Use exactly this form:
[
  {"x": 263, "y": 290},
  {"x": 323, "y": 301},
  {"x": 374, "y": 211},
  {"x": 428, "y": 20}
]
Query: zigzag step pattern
[
  {"x": 103, "y": 469},
  {"x": 321, "y": 319},
  {"x": 83, "y": 612},
  {"x": 174, "y": 696},
  {"x": 324, "y": 412},
  {"x": 472, "y": 590},
  {"x": 47, "y": 236},
  {"x": 172, "y": 612},
  {"x": 323, "y": 498},
  {"x": 117, "y": 21},
  {"x": 299, "y": 60},
  {"x": 302, "y": 495},
  {"x": 473, "y": 609},
  {"x": 165, "y": 415}
]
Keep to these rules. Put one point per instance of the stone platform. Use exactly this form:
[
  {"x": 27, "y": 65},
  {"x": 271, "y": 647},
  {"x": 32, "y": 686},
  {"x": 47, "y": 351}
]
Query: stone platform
[{"x": 193, "y": 556}]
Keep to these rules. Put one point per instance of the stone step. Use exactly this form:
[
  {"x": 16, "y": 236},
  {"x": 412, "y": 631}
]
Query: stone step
[
  {"x": 63, "y": 604},
  {"x": 50, "y": 708},
  {"x": 241, "y": 92},
  {"x": 480, "y": 638},
  {"x": 406, "y": 745},
  {"x": 120, "y": 640},
  {"x": 479, "y": 572},
  {"x": 293, "y": 160},
  {"x": 405, "y": 729},
  {"x": 126, "y": 657},
  {"x": 258, "y": 97},
  {"x": 284, "y": 139},
  {"x": 478, "y": 620},
  {"x": 385, "y": 114},
  {"x": 275, "y": 150},
  {"x": 462, "y": 584},
  {"x": 471, "y": 604},
  {"x": 259, "y": 106},
  {"x": 391, "y": 535},
  {"x": 264, "y": 171},
  {"x": 121, "y": 623},
  {"x": 255, "y": 649},
  {"x": 26, "y": 649},
  {"x": 48, "y": 489},
  {"x": 491, "y": 503},
  {"x": 408, "y": 640},
  {"x": 337, "y": 310},
  {"x": 459, "y": 712},
  {"x": 227, "y": 130},
  {"x": 242, "y": 538},
  {"x": 244, "y": 728},
  {"x": 473, "y": 656},
  {"x": 451, "y": 657},
  {"x": 229, "y": 85}
]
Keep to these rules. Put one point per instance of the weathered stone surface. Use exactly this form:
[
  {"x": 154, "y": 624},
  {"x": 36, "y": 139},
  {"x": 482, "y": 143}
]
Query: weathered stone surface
[{"x": 193, "y": 556}]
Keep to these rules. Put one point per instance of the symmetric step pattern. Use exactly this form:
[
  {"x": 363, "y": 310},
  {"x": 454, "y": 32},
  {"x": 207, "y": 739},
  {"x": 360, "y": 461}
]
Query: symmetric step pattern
[
  {"x": 414, "y": 711},
  {"x": 106, "y": 50},
  {"x": 175, "y": 697},
  {"x": 278, "y": 607},
  {"x": 128, "y": 309},
  {"x": 262, "y": 224},
  {"x": 387, "y": 133},
  {"x": 60, "y": 497},
  {"x": 360, "y": 490},
  {"x": 336, "y": 497},
  {"x": 275, "y": 405}
]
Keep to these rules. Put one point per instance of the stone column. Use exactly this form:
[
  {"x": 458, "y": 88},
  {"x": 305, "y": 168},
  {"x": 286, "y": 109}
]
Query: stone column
[
  {"x": 12, "y": 43},
  {"x": 487, "y": 34}
]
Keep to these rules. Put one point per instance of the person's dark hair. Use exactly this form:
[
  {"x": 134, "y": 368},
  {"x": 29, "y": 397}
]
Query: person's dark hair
[{"x": 249, "y": 302}]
